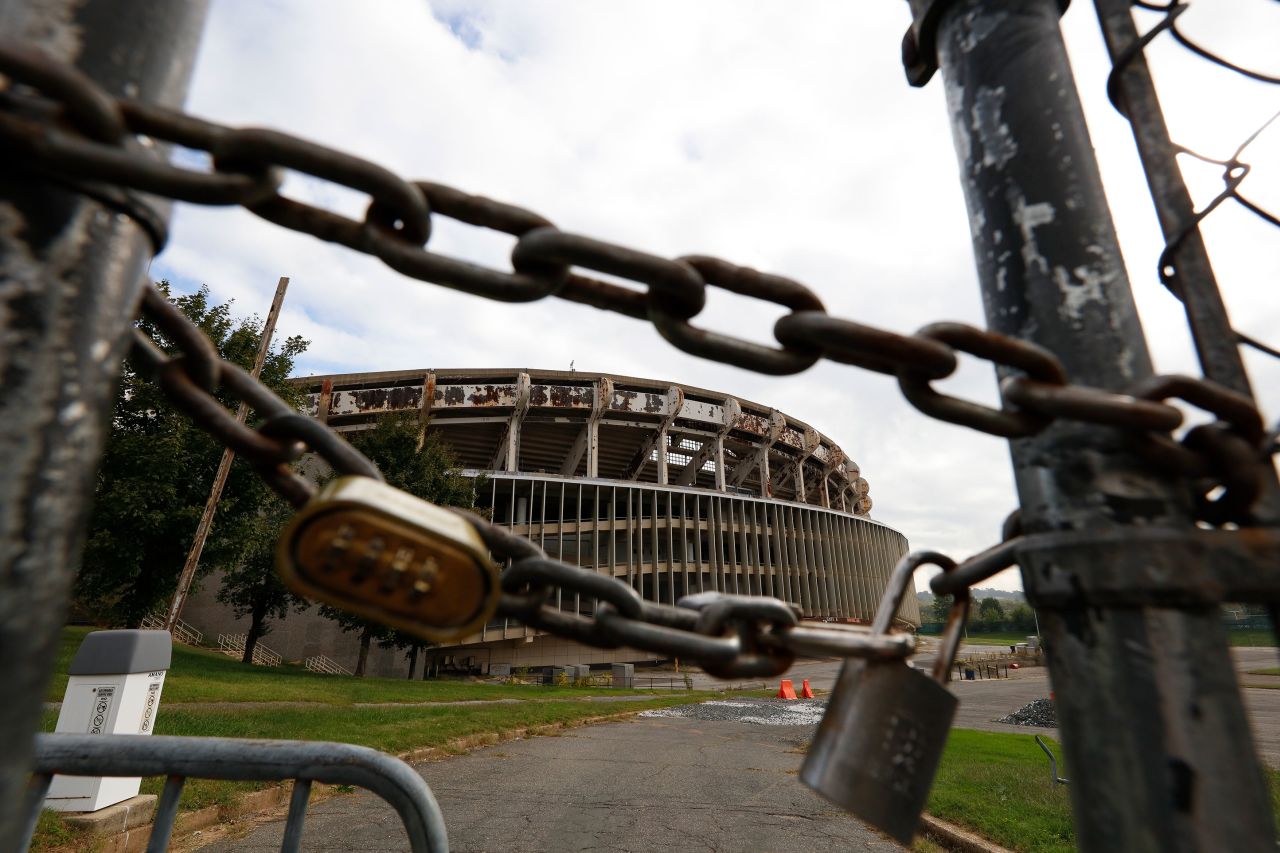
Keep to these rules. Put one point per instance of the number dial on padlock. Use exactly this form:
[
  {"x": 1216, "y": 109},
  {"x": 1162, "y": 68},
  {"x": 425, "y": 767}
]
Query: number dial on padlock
[{"x": 378, "y": 552}]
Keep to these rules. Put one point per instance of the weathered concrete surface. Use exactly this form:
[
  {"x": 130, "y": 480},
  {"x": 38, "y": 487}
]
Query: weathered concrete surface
[
  {"x": 672, "y": 784},
  {"x": 651, "y": 784}
]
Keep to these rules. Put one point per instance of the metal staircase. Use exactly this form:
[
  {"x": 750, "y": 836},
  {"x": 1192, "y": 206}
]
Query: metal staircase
[
  {"x": 232, "y": 645},
  {"x": 182, "y": 632}
]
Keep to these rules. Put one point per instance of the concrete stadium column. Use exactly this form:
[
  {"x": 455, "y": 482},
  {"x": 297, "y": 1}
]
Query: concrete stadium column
[
  {"x": 848, "y": 531},
  {"x": 838, "y": 570},
  {"x": 507, "y": 456}
]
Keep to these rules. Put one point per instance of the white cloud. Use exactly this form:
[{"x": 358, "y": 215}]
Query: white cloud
[{"x": 780, "y": 136}]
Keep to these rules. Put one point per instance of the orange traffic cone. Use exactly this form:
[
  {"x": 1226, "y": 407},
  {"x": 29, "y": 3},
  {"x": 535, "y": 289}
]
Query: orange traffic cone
[
  {"x": 805, "y": 692},
  {"x": 786, "y": 690}
]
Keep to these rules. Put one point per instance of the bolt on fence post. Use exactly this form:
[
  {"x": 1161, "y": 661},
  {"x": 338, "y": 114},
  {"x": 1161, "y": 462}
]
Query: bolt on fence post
[
  {"x": 1150, "y": 713},
  {"x": 70, "y": 271}
]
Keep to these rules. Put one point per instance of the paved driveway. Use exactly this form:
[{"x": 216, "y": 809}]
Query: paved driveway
[
  {"x": 671, "y": 784},
  {"x": 651, "y": 784}
]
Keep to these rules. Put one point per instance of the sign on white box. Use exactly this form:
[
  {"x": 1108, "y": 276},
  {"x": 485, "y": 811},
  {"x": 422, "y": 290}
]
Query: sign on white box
[{"x": 114, "y": 687}]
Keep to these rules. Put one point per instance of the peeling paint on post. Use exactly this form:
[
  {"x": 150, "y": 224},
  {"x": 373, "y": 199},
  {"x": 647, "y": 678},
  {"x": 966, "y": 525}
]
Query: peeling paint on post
[
  {"x": 1146, "y": 696},
  {"x": 70, "y": 277}
]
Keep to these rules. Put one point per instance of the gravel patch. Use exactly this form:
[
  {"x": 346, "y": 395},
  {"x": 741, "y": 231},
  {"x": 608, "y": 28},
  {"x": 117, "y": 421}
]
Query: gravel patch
[
  {"x": 763, "y": 712},
  {"x": 1037, "y": 712}
]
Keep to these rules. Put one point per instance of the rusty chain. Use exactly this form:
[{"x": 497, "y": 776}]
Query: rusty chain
[
  {"x": 190, "y": 379},
  {"x": 730, "y": 636},
  {"x": 85, "y": 135}
]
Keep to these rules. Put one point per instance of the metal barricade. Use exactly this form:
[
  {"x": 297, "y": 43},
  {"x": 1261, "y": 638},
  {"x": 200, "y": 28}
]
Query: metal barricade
[{"x": 181, "y": 758}]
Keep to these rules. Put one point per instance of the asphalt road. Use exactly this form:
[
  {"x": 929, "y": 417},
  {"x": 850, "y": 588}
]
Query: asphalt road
[
  {"x": 653, "y": 784},
  {"x": 672, "y": 784}
]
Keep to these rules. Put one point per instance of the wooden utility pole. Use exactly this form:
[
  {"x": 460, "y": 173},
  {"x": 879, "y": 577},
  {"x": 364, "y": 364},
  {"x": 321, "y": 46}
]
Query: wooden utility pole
[{"x": 224, "y": 468}]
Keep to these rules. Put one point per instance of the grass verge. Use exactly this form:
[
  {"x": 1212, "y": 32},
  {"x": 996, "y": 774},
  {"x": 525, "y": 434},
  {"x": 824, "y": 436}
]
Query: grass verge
[
  {"x": 1248, "y": 637},
  {"x": 1006, "y": 639},
  {"x": 1253, "y": 637},
  {"x": 202, "y": 675},
  {"x": 998, "y": 786}
]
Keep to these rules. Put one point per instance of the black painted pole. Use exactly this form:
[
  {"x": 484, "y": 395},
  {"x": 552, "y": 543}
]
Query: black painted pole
[
  {"x": 70, "y": 271},
  {"x": 1156, "y": 740}
]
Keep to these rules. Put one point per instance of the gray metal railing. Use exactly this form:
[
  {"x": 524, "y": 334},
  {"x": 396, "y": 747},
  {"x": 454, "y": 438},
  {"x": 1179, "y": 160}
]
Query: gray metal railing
[
  {"x": 233, "y": 645},
  {"x": 181, "y": 758},
  {"x": 325, "y": 665},
  {"x": 181, "y": 631}
]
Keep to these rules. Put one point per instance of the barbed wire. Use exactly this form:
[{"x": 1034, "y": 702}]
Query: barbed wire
[
  {"x": 1234, "y": 169},
  {"x": 60, "y": 123}
]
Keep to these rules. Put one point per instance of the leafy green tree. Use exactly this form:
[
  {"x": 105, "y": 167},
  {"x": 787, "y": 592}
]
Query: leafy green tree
[
  {"x": 940, "y": 608},
  {"x": 369, "y": 632},
  {"x": 156, "y": 472},
  {"x": 251, "y": 586},
  {"x": 424, "y": 467},
  {"x": 411, "y": 644},
  {"x": 1022, "y": 618},
  {"x": 989, "y": 610}
]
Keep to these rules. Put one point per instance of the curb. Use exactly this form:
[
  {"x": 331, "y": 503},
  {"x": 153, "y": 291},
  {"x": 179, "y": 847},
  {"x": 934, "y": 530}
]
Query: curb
[{"x": 955, "y": 838}]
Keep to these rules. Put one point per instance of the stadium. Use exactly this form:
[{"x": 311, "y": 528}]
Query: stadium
[{"x": 675, "y": 489}]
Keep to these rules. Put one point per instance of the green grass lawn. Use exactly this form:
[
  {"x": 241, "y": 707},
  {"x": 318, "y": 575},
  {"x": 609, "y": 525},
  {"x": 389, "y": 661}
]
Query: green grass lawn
[
  {"x": 1252, "y": 637},
  {"x": 998, "y": 785},
  {"x": 1249, "y": 637},
  {"x": 202, "y": 675},
  {"x": 1006, "y": 639}
]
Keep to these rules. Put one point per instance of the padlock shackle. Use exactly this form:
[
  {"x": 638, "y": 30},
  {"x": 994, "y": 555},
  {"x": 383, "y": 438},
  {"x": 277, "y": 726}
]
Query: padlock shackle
[
  {"x": 896, "y": 591},
  {"x": 951, "y": 634}
]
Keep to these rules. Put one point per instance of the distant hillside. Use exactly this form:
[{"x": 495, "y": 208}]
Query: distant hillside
[{"x": 980, "y": 593}]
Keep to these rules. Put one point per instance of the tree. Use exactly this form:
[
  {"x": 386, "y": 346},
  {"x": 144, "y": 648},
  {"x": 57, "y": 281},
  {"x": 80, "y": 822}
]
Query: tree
[
  {"x": 1022, "y": 618},
  {"x": 251, "y": 587},
  {"x": 156, "y": 471},
  {"x": 369, "y": 631},
  {"x": 989, "y": 610},
  {"x": 412, "y": 643},
  {"x": 424, "y": 467},
  {"x": 940, "y": 608}
]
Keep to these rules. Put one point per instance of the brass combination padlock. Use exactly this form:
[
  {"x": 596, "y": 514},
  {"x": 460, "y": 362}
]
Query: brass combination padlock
[
  {"x": 378, "y": 552},
  {"x": 879, "y": 743}
]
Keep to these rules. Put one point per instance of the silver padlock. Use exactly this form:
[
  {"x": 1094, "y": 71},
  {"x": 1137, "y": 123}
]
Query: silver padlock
[{"x": 879, "y": 743}]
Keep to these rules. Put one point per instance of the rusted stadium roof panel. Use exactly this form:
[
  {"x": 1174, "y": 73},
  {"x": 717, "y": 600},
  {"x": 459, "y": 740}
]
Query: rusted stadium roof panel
[{"x": 624, "y": 428}]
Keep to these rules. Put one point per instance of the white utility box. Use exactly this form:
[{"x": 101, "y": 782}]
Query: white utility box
[{"x": 114, "y": 689}]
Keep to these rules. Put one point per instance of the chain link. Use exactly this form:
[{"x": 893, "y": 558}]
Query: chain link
[
  {"x": 1234, "y": 170},
  {"x": 100, "y": 139},
  {"x": 190, "y": 380},
  {"x": 94, "y": 137},
  {"x": 92, "y": 141},
  {"x": 729, "y": 636}
]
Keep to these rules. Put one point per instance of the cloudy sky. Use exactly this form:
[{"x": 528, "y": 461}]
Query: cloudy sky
[{"x": 776, "y": 135}]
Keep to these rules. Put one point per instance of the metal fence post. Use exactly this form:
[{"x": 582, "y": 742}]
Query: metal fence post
[
  {"x": 70, "y": 270},
  {"x": 1153, "y": 727}
]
